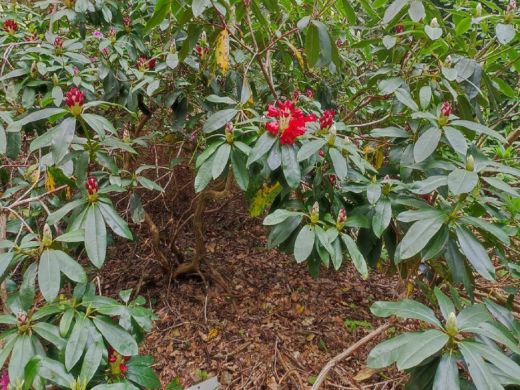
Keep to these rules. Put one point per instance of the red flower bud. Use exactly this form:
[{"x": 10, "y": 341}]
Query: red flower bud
[
  {"x": 127, "y": 22},
  {"x": 105, "y": 51},
  {"x": 74, "y": 99},
  {"x": 309, "y": 93},
  {"x": 112, "y": 358},
  {"x": 446, "y": 109},
  {"x": 91, "y": 185},
  {"x": 333, "y": 179},
  {"x": 399, "y": 29},
  {"x": 322, "y": 153},
  {"x": 339, "y": 42},
  {"x": 144, "y": 63},
  {"x": 58, "y": 42},
  {"x": 10, "y": 26},
  {"x": 296, "y": 95},
  {"x": 123, "y": 368}
]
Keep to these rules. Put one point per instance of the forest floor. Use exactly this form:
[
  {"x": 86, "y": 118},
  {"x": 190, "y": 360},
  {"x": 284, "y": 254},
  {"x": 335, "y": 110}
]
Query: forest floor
[{"x": 272, "y": 326}]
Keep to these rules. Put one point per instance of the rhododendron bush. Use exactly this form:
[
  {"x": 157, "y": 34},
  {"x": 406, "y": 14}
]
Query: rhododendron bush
[{"x": 381, "y": 133}]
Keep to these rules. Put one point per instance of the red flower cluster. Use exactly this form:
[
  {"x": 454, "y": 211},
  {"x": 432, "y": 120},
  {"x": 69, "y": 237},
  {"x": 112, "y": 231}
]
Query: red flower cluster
[
  {"x": 74, "y": 99},
  {"x": 10, "y": 26},
  {"x": 58, "y": 42},
  {"x": 327, "y": 119},
  {"x": 201, "y": 51},
  {"x": 399, "y": 29},
  {"x": 117, "y": 362},
  {"x": 291, "y": 121},
  {"x": 91, "y": 185},
  {"x": 127, "y": 22},
  {"x": 446, "y": 109},
  {"x": 145, "y": 63}
]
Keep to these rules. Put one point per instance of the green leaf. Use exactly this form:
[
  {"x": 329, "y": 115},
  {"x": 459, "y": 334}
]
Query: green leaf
[
  {"x": 404, "y": 97},
  {"x": 472, "y": 316},
  {"x": 355, "y": 255},
  {"x": 417, "y": 11},
  {"x": 423, "y": 345},
  {"x": 199, "y": 6},
  {"x": 77, "y": 342},
  {"x": 62, "y": 139},
  {"x": 339, "y": 163},
  {"x": 92, "y": 358},
  {"x": 116, "y": 223},
  {"x": 48, "y": 276},
  {"x": 418, "y": 236},
  {"x": 290, "y": 166},
  {"x": 95, "y": 236},
  {"x": 73, "y": 236},
  {"x": 55, "y": 372},
  {"x": 456, "y": 139},
  {"x": 386, "y": 353},
  {"x": 219, "y": 120},
  {"x": 312, "y": 44},
  {"x": 5, "y": 261},
  {"x": 475, "y": 253},
  {"x": 497, "y": 358},
  {"x": 462, "y": 181},
  {"x": 310, "y": 148},
  {"x": 406, "y": 309},
  {"x": 445, "y": 303},
  {"x": 447, "y": 374},
  {"x": 433, "y": 33},
  {"x": 69, "y": 266},
  {"x": 140, "y": 372},
  {"x": 346, "y": 9},
  {"x": 204, "y": 174},
  {"x": 35, "y": 116},
  {"x": 478, "y": 128},
  {"x": 23, "y": 351},
  {"x": 425, "y": 96},
  {"x": 382, "y": 217},
  {"x": 463, "y": 25},
  {"x": 162, "y": 9},
  {"x": 480, "y": 374},
  {"x": 304, "y": 243},
  {"x": 393, "y": 10},
  {"x": 426, "y": 144},
  {"x": 30, "y": 372},
  {"x": 392, "y": 132},
  {"x": 499, "y": 333},
  {"x": 59, "y": 214},
  {"x": 50, "y": 333},
  {"x": 98, "y": 124},
  {"x": 240, "y": 171},
  {"x": 149, "y": 184},
  {"x": 278, "y": 216},
  {"x": 486, "y": 226},
  {"x": 505, "y": 33},
  {"x": 501, "y": 185},
  {"x": 117, "y": 337},
  {"x": 373, "y": 192},
  {"x": 221, "y": 160},
  {"x": 262, "y": 146}
]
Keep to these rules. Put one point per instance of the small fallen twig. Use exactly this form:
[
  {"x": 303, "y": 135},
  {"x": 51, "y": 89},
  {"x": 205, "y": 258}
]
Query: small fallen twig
[{"x": 347, "y": 352}]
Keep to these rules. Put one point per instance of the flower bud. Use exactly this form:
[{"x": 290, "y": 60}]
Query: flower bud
[
  {"x": 399, "y": 29},
  {"x": 511, "y": 6},
  {"x": 446, "y": 109},
  {"x": 470, "y": 163},
  {"x": 315, "y": 213},
  {"x": 478, "y": 10},
  {"x": 74, "y": 99},
  {"x": 10, "y": 26},
  {"x": 434, "y": 23},
  {"x": 342, "y": 218},
  {"x": 55, "y": 80},
  {"x": 451, "y": 325},
  {"x": 58, "y": 45},
  {"x": 229, "y": 132},
  {"x": 91, "y": 185},
  {"x": 309, "y": 93},
  {"x": 331, "y": 141},
  {"x": 47, "y": 236}
]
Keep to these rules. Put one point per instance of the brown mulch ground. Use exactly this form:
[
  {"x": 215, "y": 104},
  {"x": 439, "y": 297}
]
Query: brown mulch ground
[{"x": 272, "y": 327}]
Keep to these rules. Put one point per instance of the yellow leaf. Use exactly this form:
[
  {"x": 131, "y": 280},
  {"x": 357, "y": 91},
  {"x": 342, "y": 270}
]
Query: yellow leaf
[
  {"x": 379, "y": 158},
  {"x": 222, "y": 51},
  {"x": 297, "y": 54},
  {"x": 50, "y": 183},
  {"x": 263, "y": 198},
  {"x": 364, "y": 374},
  {"x": 213, "y": 332}
]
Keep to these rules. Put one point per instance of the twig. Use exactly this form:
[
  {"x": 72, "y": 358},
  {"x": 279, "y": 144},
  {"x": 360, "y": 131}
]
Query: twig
[{"x": 347, "y": 352}]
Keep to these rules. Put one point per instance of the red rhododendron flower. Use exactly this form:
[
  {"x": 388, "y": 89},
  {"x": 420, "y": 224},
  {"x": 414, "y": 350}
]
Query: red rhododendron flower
[
  {"x": 10, "y": 26},
  {"x": 446, "y": 109},
  {"x": 92, "y": 187},
  {"x": 290, "y": 123},
  {"x": 145, "y": 63},
  {"x": 327, "y": 119},
  {"x": 399, "y": 29}
]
